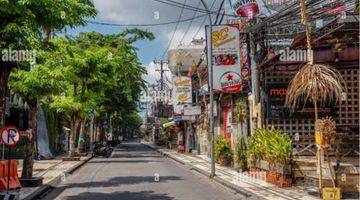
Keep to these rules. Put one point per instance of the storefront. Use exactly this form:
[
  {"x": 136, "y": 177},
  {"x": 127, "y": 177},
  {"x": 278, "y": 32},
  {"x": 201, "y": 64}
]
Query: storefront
[{"x": 338, "y": 48}]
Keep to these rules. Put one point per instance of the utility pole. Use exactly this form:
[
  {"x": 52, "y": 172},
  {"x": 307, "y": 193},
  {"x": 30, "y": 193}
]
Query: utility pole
[
  {"x": 210, "y": 67},
  {"x": 161, "y": 70}
]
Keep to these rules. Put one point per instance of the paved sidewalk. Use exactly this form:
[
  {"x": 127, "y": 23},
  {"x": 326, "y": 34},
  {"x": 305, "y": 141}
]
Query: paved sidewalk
[
  {"x": 52, "y": 171},
  {"x": 243, "y": 183}
]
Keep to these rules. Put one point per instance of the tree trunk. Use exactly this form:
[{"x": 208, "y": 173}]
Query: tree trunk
[
  {"x": 29, "y": 150},
  {"x": 74, "y": 123},
  {"x": 4, "y": 76},
  {"x": 81, "y": 139}
]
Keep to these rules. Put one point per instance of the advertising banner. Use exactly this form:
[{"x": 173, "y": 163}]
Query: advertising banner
[
  {"x": 226, "y": 59},
  {"x": 192, "y": 110},
  {"x": 182, "y": 93}
]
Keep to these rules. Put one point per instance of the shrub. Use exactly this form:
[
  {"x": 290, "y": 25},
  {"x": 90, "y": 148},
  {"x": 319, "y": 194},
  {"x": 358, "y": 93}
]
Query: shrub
[
  {"x": 223, "y": 152},
  {"x": 240, "y": 153},
  {"x": 271, "y": 145}
]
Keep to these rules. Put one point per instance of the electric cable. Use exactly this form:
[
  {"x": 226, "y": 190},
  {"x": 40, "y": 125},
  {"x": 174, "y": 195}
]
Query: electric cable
[
  {"x": 151, "y": 24},
  {"x": 203, "y": 22},
  {"x": 190, "y": 24},
  {"x": 173, "y": 35},
  {"x": 188, "y": 7}
]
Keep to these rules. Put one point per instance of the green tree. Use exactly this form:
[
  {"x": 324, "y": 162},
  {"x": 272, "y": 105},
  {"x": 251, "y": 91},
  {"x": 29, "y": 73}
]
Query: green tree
[
  {"x": 21, "y": 25},
  {"x": 20, "y": 29},
  {"x": 34, "y": 86},
  {"x": 101, "y": 72}
]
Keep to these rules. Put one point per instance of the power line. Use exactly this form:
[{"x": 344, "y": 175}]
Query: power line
[
  {"x": 189, "y": 26},
  {"x": 203, "y": 22},
  {"x": 188, "y": 7},
  {"x": 176, "y": 26},
  {"x": 151, "y": 24}
]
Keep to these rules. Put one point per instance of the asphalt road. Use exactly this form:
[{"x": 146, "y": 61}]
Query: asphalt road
[{"x": 129, "y": 175}]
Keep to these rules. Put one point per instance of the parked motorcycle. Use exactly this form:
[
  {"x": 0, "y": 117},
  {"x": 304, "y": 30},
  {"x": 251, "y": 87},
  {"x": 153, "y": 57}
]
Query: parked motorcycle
[{"x": 100, "y": 149}]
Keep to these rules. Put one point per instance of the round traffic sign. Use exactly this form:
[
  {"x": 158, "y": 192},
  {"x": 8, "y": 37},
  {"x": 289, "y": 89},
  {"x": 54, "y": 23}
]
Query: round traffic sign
[{"x": 10, "y": 136}]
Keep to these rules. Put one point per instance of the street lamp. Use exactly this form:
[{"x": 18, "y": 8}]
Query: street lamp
[{"x": 210, "y": 67}]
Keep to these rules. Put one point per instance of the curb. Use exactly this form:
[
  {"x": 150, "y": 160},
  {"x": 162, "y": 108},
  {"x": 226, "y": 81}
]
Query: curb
[
  {"x": 221, "y": 181},
  {"x": 164, "y": 154},
  {"x": 55, "y": 181}
]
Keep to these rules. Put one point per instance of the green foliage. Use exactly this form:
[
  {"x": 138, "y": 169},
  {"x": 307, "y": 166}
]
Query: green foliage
[
  {"x": 23, "y": 20},
  {"x": 240, "y": 152},
  {"x": 240, "y": 112},
  {"x": 37, "y": 83},
  {"x": 223, "y": 152},
  {"x": 271, "y": 145}
]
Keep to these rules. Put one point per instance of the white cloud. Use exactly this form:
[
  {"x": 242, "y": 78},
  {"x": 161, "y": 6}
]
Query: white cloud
[
  {"x": 142, "y": 12},
  {"x": 153, "y": 76}
]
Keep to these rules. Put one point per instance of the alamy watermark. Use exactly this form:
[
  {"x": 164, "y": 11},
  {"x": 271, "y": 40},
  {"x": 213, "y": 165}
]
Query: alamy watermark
[
  {"x": 13, "y": 55},
  {"x": 250, "y": 177},
  {"x": 298, "y": 55}
]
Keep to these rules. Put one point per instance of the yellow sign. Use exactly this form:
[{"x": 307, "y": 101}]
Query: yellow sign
[
  {"x": 331, "y": 193},
  {"x": 221, "y": 37}
]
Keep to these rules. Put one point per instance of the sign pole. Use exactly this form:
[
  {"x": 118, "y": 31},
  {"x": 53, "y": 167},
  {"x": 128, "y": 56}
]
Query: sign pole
[
  {"x": 8, "y": 170},
  {"x": 210, "y": 67},
  {"x": 10, "y": 136}
]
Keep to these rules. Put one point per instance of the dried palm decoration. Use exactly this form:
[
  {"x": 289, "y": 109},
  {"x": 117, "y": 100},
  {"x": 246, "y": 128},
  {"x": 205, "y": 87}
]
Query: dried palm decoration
[
  {"x": 317, "y": 83},
  {"x": 314, "y": 82}
]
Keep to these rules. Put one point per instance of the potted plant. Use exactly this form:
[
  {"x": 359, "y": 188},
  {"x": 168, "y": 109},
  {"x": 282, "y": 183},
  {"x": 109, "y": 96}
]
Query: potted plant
[
  {"x": 270, "y": 150},
  {"x": 223, "y": 152},
  {"x": 240, "y": 154}
]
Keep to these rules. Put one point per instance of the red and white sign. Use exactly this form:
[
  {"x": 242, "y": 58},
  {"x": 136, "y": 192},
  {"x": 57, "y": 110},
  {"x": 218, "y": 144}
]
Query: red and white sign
[
  {"x": 230, "y": 82},
  {"x": 245, "y": 8},
  {"x": 226, "y": 59},
  {"x": 10, "y": 136}
]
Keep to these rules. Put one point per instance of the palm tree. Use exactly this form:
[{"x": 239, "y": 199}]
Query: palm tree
[{"x": 315, "y": 82}]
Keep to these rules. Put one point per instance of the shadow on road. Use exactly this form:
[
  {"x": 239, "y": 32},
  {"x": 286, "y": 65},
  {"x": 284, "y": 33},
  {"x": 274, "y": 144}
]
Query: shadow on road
[
  {"x": 115, "y": 182},
  {"x": 122, "y": 161},
  {"x": 149, "y": 195}
]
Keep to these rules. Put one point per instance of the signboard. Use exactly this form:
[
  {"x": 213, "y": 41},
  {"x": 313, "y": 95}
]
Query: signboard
[
  {"x": 276, "y": 104},
  {"x": 10, "y": 136},
  {"x": 338, "y": 6},
  {"x": 182, "y": 93},
  {"x": 182, "y": 90},
  {"x": 183, "y": 118},
  {"x": 245, "y": 8},
  {"x": 192, "y": 110},
  {"x": 226, "y": 59}
]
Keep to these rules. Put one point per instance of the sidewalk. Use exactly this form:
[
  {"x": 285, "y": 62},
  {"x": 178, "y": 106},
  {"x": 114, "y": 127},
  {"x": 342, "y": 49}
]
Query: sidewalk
[
  {"x": 53, "y": 171},
  {"x": 242, "y": 183}
]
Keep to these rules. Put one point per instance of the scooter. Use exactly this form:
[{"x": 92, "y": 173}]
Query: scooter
[{"x": 101, "y": 150}]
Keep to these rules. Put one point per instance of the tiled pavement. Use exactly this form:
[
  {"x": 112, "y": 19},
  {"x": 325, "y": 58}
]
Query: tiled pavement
[
  {"x": 239, "y": 181},
  {"x": 49, "y": 170}
]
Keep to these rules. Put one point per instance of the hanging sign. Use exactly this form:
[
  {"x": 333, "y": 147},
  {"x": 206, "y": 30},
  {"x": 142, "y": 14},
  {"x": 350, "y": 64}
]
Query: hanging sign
[
  {"x": 182, "y": 90},
  {"x": 10, "y": 136},
  {"x": 245, "y": 8},
  {"x": 192, "y": 110},
  {"x": 226, "y": 59}
]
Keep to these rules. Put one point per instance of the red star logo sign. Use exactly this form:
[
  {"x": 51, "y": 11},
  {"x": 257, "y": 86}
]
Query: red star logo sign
[{"x": 229, "y": 77}]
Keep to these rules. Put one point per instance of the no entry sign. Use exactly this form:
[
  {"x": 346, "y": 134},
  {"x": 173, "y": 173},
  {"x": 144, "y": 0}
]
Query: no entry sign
[{"x": 10, "y": 136}]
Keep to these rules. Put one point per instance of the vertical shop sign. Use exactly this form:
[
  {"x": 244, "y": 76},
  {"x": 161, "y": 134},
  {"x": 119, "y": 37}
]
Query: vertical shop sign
[
  {"x": 182, "y": 92},
  {"x": 226, "y": 59}
]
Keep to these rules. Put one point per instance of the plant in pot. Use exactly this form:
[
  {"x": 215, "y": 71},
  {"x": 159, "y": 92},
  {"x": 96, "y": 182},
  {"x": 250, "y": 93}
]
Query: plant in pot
[
  {"x": 253, "y": 153},
  {"x": 270, "y": 150},
  {"x": 223, "y": 152},
  {"x": 240, "y": 154}
]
